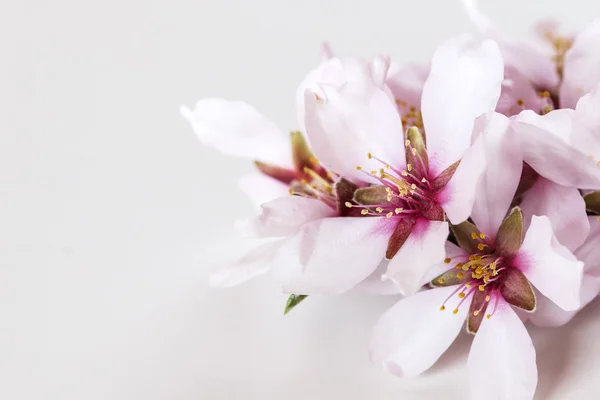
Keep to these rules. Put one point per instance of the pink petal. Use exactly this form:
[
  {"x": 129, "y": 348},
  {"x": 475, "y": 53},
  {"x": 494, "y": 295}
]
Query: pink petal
[
  {"x": 502, "y": 358},
  {"x": 351, "y": 122},
  {"x": 518, "y": 94},
  {"x": 332, "y": 255},
  {"x": 453, "y": 252},
  {"x": 424, "y": 248},
  {"x": 589, "y": 251},
  {"x": 557, "y": 151},
  {"x": 582, "y": 66},
  {"x": 548, "y": 314},
  {"x": 373, "y": 284},
  {"x": 549, "y": 266},
  {"x": 406, "y": 84},
  {"x": 458, "y": 196},
  {"x": 563, "y": 206},
  {"x": 464, "y": 82},
  {"x": 284, "y": 216},
  {"x": 236, "y": 129},
  {"x": 412, "y": 335},
  {"x": 255, "y": 262},
  {"x": 261, "y": 189},
  {"x": 499, "y": 182}
]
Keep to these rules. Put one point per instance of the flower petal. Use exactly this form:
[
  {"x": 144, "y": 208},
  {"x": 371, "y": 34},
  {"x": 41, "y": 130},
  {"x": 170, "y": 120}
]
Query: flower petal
[
  {"x": 549, "y": 266},
  {"x": 589, "y": 251},
  {"x": 499, "y": 182},
  {"x": 284, "y": 216},
  {"x": 518, "y": 94},
  {"x": 581, "y": 66},
  {"x": 423, "y": 249},
  {"x": 237, "y": 129},
  {"x": 549, "y": 145},
  {"x": 255, "y": 262},
  {"x": 479, "y": 19},
  {"x": 464, "y": 82},
  {"x": 502, "y": 358},
  {"x": 458, "y": 196},
  {"x": 563, "y": 206},
  {"x": 412, "y": 335},
  {"x": 373, "y": 284},
  {"x": 351, "y": 122},
  {"x": 261, "y": 189},
  {"x": 332, "y": 255},
  {"x": 548, "y": 314}
]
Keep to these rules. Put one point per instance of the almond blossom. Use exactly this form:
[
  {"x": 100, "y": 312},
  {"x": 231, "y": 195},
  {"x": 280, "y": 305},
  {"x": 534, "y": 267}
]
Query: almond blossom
[
  {"x": 549, "y": 71},
  {"x": 414, "y": 180}
]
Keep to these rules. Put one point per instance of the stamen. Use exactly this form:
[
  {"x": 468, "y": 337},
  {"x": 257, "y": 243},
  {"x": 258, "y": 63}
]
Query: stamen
[
  {"x": 348, "y": 204},
  {"x": 364, "y": 211},
  {"x": 447, "y": 260}
]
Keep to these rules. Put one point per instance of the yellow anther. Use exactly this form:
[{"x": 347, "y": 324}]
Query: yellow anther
[
  {"x": 482, "y": 235},
  {"x": 468, "y": 286},
  {"x": 493, "y": 265},
  {"x": 358, "y": 168},
  {"x": 598, "y": 218},
  {"x": 304, "y": 182},
  {"x": 476, "y": 312},
  {"x": 389, "y": 215},
  {"x": 409, "y": 167},
  {"x": 364, "y": 212},
  {"x": 389, "y": 197},
  {"x": 423, "y": 180},
  {"x": 373, "y": 172},
  {"x": 459, "y": 265},
  {"x": 348, "y": 204},
  {"x": 473, "y": 235},
  {"x": 461, "y": 295},
  {"x": 398, "y": 210},
  {"x": 460, "y": 275},
  {"x": 520, "y": 102},
  {"x": 414, "y": 151},
  {"x": 379, "y": 209},
  {"x": 488, "y": 298},
  {"x": 455, "y": 311},
  {"x": 407, "y": 143},
  {"x": 465, "y": 267},
  {"x": 404, "y": 173},
  {"x": 447, "y": 260},
  {"x": 442, "y": 308},
  {"x": 481, "y": 288},
  {"x": 369, "y": 155},
  {"x": 413, "y": 186},
  {"x": 442, "y": 280},
  {"x": 489, "y": 316},
  {"x": 313, "y": 160},
  {"x": 481, "y": 246}
]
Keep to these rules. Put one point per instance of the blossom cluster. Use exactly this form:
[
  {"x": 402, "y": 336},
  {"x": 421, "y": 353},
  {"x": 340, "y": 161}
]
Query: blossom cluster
[{"x": 470, "y": 185}]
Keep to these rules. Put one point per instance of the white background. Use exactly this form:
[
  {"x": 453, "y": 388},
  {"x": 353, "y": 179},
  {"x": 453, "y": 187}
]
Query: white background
[{"x": 112, "y": 215}]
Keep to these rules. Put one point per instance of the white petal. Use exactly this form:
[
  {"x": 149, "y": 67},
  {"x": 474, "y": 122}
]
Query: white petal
[
  {"x": 255, "y": 262},
  {"x": 502, "y": 358},
  {"x": 236, "y": 129},
  {"x": 374, "y": 284},
  {"x": 459, "y": 195},
  {"x": 480, "y": 20},
  {"x": 423, "y": 250},
  {"x": 351, "y": 122},
  {"x": 464, "y": 82},
  {"x": 412, "y": 335},
  {"x": 332, "y": 255},
  {"x": 563, "y": 206},
  {"x": 499, "y": 182},
  {"x": 589, "y": 251},
  {"x": 549, "y": 266},
  {"x": 261, "y": 188},
  {"x": 284, "y": 216}
]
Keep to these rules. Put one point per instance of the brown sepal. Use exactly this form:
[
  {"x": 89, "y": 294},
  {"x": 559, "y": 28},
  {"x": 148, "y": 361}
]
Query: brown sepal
[
  {"x": 435, "y": 212},
  {"x": 401, "y": 233},
  {"x": 444, "y": 177},
  {"x": 417, "y": 142},
  {"x": 592, "y": 202},
  {"x": 283, "y": 175},
  {"x": 371, "y": 195},
  {"x": 474, "y": 321},
  {"x": 344, "y": 192},
  {"x": 451, "y": 277},
  {"x": 510, "y": 234},
  {"x": 301, "y": 154},
  {"x": 463, "y": 233},
  {"x": 517, "y": 290}
]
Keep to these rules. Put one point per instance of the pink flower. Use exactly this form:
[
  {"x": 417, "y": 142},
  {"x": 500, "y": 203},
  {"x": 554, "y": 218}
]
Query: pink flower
[
  {"x": 488, "y": 275},
  {"x": 547, "y": 72},
  {"x": 402, "y": 216}
]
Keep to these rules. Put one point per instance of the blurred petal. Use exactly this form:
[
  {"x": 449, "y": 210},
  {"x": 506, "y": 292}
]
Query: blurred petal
[
  {"x": 499, "y": 182},
  {"x": 412, "y": 335},
  {"x": 261, "y": 189},
  {"x": 549, "y": 146},
  {"x": 332, "y": 255},
  {"x": 351, "y": 122},
  {"x": 548, "y": 314},
  {"x": 480, "y": 20},
  {"x": 284, "y": 216},
  {"x": 581, "y": 66},
  {"x": 255, "y": 262},
  {"x": 563, "y": 206},
  {"x": 458, "y": 196},
  {"x": 236, "y": 129},
  {"x": 589, "y": 251},
  {"x": 424, "y": 249},
  {"x": 502, "y": 358},
  {"x": 549, "y": 266},
  {"x": 518, "y": 94},
  {"x": 464, "y": 82}
]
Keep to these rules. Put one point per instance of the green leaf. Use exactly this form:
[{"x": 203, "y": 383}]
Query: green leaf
[{"x": 293, "y": 301}]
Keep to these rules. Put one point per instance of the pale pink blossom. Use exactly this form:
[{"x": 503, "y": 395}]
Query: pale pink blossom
[
  {"x": 548, "y": 71},
  {"x": 414, "y": 186}
]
